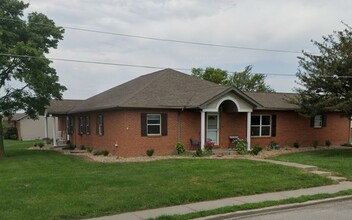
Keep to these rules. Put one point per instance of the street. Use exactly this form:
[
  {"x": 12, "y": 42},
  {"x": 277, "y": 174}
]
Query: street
[{"x": 338, "y": 210}]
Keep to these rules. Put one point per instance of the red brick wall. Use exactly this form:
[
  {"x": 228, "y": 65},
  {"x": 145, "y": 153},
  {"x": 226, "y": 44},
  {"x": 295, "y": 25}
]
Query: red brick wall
[
  {"x": 234, "y": 123},
  {"x": 123, "y": 127},
  {"x": 291, "y": 127}
]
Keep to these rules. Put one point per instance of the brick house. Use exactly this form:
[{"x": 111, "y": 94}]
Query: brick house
[{"x": 162, "y": 108}]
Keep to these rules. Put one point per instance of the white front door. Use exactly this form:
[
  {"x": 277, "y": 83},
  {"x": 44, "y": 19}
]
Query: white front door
[{"x": 213, "y": 128}]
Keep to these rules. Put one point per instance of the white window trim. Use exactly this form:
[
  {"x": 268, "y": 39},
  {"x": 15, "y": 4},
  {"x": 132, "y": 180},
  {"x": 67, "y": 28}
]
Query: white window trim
[
  {"x": 153, "y": 125},
  {"x": 318, "y": 121},
  {"x": 261, "y": 126}
]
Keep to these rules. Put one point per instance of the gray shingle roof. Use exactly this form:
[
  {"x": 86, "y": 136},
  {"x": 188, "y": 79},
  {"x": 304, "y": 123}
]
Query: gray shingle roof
[
  {"x": 274, "y": 101},
  {"x": 166, "y": 88},
  {"x": 60, "y": 107}
]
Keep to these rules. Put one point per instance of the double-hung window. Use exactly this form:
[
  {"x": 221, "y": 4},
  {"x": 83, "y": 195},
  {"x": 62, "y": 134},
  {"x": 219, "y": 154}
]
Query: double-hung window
[
  {"x": 100, "y": 125},
  {"x": 153, "y": 124},
  {"x": 318, "y": 121},
  {"x": 84, "y": 125},
  {"x": 261, "y": 125}
]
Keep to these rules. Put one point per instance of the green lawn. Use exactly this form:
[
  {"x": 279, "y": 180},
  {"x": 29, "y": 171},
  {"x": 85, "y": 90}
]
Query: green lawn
[
  {"x": 338, "y": 161},
  {"x": 48, "y": 185}
]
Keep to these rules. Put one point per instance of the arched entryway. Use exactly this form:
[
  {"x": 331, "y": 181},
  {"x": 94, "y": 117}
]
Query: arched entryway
[{"x": 229, "y": 103}]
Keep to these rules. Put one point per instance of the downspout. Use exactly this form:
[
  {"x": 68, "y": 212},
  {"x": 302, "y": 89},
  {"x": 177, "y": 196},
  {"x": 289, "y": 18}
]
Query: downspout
[{"x": 349, "y": 130}]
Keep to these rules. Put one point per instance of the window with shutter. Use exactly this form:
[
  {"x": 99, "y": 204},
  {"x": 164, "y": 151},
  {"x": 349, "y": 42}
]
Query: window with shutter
[{"x": 261, "y": 125}]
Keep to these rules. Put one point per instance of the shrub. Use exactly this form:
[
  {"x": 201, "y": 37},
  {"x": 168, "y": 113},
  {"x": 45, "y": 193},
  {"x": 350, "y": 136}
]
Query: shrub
[
  {"x": 89, "y": 149},
  {"x": 346, "y": 145},
  {"x": 41, "y": 144},
  {"x": 198, "y": 153},
  {"x": 150, "y": 152},
  {"x": 273, "y": 146},
  {"x": 256, "y": 149},
  {"x": 35, "y": 144},
  {"x": 180, "y": 148},
  {"x": 209, "y": 145},
  {"x": 241, "y": 146},
  {"x": 101, "y": 152},
  {"x": 327, "y": 143},
  {"x": 82, "y": 147},
  {"x": 11, "y": 134},
  {"x": 296, "y": 145},
  {"x": 315, "y": 143}
]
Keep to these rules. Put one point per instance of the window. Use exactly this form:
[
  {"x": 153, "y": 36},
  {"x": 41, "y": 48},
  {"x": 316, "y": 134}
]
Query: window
[
  {"x": 69, "y": 124},
  {"x": 318, "y": 121},
  {"x": 261, "y": 125},
  {"x": 100, "y": 125},
  {"x": 84, "y": 125},
  {"x": 153, "y": 124}
]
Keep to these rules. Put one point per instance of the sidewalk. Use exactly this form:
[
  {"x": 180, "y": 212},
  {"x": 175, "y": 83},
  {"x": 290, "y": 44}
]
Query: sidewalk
[
  {"x": 214, "y": 204},
  {"x": 207, "y": 205}
]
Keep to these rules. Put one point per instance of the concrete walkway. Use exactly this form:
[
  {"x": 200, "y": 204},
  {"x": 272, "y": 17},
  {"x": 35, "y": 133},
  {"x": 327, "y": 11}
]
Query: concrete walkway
[{"x": 208, "y": 205}]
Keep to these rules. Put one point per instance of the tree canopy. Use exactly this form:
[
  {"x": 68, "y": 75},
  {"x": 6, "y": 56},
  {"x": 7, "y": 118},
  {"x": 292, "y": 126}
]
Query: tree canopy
[
  {"x": 245, "y": 80},
  {"x": 27, "y": 82},
  {"x": 326, "y": 78}
]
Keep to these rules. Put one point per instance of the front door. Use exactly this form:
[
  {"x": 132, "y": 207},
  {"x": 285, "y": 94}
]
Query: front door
[{"x": 213, "y": 128}]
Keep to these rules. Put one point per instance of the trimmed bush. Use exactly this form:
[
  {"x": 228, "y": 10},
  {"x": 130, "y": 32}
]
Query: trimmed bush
[
  {"x": 273, "y": 146},
  {"x": 101, "y": 152},
  {"x": 180, "y": 148},
  {"x": 150, "y": 152},
  {"x": 198, "y": 153},
  {"x": 315, "y": 143},
  {"x": 82, "y": 147},
  {"x": 256, "y": 149},
  {"x": 328, "y": 143},
  {"x": 41, "y": 144},
  {"x": 296, "y": 145},
  {"x": 241, "y": 146}
]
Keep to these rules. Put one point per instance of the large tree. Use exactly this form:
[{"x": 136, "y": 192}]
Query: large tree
[
  {"x": 27, "y": 82},
  {"x": 245, "y": 80},
  {"x": 326, "y": 77}
]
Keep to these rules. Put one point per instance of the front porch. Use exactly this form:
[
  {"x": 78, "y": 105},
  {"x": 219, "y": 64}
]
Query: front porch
[{"x": 229, "y": 115}]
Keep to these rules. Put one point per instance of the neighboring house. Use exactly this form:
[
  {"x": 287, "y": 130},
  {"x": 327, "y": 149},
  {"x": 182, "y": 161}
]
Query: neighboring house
[
  {"x": 159, "y": 109},
  {"x": 30, "y": 129}
]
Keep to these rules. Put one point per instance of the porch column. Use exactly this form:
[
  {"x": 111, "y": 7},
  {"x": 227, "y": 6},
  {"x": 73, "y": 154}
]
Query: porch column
[
  {"x": 202, "y": 129},
  {"x": 249, "y": 115},
  {"x": 54, "y": 130},
  {"x": 46, "y": 129}
]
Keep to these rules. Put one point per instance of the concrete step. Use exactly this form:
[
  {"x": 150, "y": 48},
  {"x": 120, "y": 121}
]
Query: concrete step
[
  {"x": 338, "y": 178},
  {"x": 321, "y": 173}
]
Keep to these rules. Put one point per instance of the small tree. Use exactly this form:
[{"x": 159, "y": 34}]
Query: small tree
[
  {"x": 27, "y": 81},
  {"x": 326, "y": 78},
  {"x": 245, "y": 80}
]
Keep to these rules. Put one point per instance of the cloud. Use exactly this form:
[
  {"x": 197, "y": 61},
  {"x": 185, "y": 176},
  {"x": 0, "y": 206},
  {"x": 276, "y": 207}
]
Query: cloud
[{"x": 271, "y": 24}]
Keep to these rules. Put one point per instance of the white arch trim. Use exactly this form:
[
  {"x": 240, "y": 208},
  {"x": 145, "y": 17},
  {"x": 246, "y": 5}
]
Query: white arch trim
[{"x": 241, "y": 107}]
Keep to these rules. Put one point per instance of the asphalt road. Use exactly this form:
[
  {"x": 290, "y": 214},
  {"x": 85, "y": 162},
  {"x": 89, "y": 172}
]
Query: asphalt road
[{"x": 338, "y": 210}]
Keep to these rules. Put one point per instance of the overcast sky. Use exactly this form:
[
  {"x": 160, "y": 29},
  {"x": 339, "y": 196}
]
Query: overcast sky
[{"x": 270, "y": 24}]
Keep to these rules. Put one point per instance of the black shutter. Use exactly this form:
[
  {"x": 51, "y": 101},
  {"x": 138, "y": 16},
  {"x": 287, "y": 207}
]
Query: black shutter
[
  {"x": 97, "y": 125},
  {"x": 323, "y": 118},
  {"x": 312, "y": 122},
  {"x": 143, "y": 124},
  {"x": 273, "y": 125},
  {"x": 164, "y": 124}
]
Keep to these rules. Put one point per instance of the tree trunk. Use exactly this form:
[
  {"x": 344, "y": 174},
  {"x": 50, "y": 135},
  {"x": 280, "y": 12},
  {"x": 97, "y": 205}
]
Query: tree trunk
[{"x": 2, "y": 148}]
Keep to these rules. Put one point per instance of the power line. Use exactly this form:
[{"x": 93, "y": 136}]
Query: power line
[
  {"x": 172, "y": 40},
  {"x": 119, "y": 64}
]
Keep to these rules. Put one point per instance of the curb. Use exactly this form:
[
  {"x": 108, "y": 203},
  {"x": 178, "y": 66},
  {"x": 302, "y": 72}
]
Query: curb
[{"x": 273, "y": 208}]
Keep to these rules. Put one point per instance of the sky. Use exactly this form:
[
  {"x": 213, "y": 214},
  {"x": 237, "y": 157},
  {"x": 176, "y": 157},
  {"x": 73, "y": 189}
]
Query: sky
[{"x": 271, "y": 24}]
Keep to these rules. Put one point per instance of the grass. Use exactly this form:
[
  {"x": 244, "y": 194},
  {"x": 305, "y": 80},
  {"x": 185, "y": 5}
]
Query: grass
[
  {"x": 249, "y": 206},
  {"x": 48, "y": 185},
  {"x": 338, "y": 161}
]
